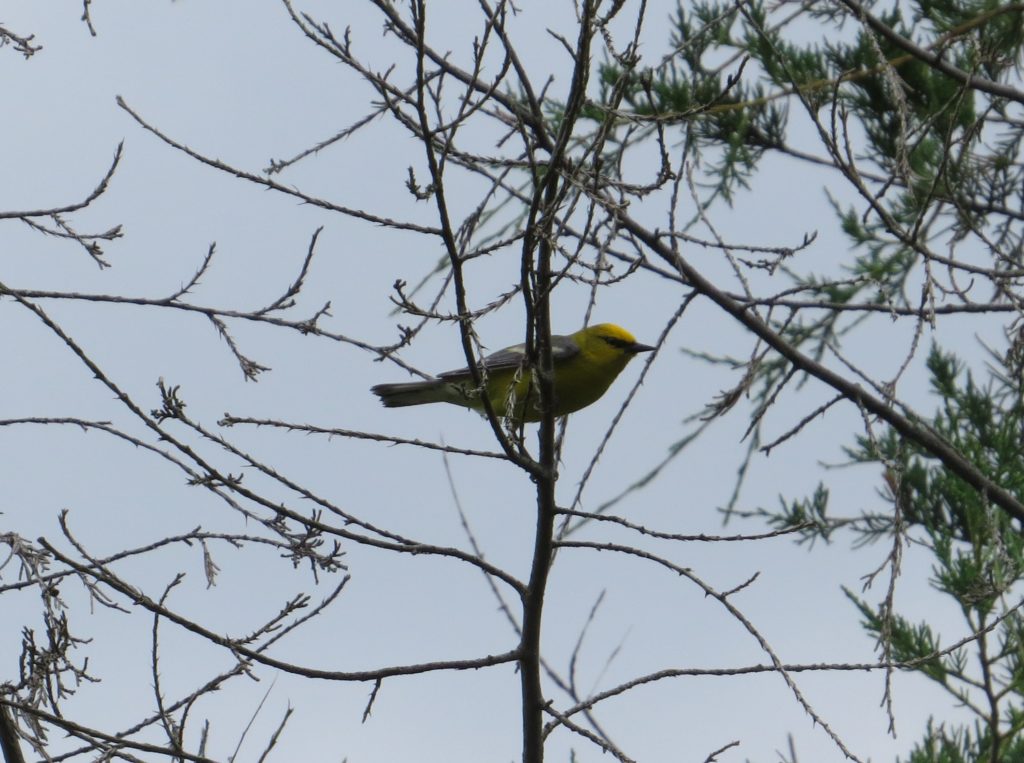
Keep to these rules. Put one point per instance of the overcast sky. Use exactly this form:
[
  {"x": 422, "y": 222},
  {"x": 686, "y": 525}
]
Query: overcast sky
[{"x": 236, "y": 80}]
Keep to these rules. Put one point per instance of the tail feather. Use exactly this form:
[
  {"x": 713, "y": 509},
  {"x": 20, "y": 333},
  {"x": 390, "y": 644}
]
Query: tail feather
[{"x": 413, "y": 393}]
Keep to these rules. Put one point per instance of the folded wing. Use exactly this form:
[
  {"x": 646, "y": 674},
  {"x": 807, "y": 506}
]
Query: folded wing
[{"x": 562, "y": 349}]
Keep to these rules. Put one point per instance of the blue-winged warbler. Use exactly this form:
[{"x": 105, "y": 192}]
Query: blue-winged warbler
[{"x": 585, "y": 364}]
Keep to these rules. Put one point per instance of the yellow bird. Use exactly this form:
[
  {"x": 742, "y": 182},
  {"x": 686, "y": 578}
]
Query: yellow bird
[{"x": 585, "y": 364}]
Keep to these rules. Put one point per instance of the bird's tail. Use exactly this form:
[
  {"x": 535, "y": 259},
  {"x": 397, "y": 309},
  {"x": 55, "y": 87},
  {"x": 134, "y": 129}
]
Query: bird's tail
[{"x": 412, "y": 393}]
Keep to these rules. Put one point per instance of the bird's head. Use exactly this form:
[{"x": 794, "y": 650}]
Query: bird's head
[
  {"x": 617, "y": 337},
  {"x": 608, "y": 341}
]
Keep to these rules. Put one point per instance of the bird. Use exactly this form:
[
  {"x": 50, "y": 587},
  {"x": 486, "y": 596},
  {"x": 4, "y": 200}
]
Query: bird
[{"x": 584, "y": 366}]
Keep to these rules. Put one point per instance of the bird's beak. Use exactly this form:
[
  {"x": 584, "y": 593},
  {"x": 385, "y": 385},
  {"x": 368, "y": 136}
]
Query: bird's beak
[{"x": 636, "y": 347}]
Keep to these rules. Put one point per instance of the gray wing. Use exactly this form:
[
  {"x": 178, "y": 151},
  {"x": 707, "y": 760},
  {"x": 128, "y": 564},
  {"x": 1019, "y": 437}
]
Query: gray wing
[{"x": 562, "y": 348}]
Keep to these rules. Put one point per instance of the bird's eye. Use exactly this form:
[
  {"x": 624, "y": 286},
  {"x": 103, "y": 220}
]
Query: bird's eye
[{"x": 614, "y": 341}]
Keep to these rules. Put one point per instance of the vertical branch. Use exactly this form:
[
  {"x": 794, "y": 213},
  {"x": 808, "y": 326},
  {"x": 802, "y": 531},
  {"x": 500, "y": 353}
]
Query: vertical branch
[
  {"x": 517, "y": 456},
  {"x": 538, "y": 303},
  {"x": 9, "y": 744}
]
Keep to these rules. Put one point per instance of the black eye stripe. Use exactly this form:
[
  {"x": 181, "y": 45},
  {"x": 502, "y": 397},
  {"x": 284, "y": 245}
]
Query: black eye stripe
[{"x": 614, "y": 341}]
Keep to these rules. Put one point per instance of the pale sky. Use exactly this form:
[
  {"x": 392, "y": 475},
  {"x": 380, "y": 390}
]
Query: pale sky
[{"x": 236, "y": 80}]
